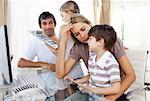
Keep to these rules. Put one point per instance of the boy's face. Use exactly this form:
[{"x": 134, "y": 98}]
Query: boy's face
[
  {"x": 48, "y": 26},
  {"x": 93, "y": 44}
]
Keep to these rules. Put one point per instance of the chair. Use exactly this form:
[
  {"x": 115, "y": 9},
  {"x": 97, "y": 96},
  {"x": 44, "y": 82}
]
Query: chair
[{"x": 140, "y": 90}]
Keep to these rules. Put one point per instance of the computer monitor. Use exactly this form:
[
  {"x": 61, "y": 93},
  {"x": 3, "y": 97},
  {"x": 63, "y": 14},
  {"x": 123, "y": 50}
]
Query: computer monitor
[{"x": 5, "y": 63}]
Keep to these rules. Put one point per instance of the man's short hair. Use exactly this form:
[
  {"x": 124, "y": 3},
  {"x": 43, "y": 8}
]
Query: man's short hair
[
  {"x": 46, "y": 15},
  {"x": 106, "y": 32}
]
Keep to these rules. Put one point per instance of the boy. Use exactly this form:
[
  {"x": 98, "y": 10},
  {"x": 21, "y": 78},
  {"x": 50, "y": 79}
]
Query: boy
[{"x": 104, "y": 73}]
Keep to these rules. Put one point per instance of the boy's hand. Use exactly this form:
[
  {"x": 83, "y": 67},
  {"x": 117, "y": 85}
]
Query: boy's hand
[{"x": 84, "y": 88}]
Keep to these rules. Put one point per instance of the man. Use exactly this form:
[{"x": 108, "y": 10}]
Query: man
[{"x": 35, "y": 48}]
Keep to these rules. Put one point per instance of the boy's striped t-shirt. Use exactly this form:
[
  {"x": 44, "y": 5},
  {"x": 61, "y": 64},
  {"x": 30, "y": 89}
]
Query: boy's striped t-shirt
[{"x": 103, "y": 72}]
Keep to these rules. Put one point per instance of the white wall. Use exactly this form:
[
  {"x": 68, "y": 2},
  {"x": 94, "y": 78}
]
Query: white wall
[
  {"x": 23, "y": 16},
  {"x": 135, "y": 14}
]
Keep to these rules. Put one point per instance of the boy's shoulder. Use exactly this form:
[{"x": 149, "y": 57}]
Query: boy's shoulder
[{"x": 107, "y": 60}]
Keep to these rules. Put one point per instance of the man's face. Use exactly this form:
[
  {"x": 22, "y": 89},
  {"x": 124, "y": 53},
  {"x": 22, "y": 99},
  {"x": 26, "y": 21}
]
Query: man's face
[{"x": 48, "y": 26}]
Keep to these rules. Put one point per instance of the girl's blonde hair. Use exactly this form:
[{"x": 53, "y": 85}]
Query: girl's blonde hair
[{"x": 70, "y": 6}]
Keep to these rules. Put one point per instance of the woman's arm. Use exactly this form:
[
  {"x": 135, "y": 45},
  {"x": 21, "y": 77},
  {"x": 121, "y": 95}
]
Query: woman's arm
[
  {"x": 128, "y": 79},
  {"x": 129, "y": 73},
  {"x": 62, "y": 66}
]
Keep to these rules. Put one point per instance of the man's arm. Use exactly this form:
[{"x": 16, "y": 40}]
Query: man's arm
[{"x": 27, "y": 63}]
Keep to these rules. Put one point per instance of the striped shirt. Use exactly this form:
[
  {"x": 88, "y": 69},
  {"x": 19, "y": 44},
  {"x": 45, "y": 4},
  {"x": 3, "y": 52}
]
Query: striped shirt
[{"x": 103, "y": 72}]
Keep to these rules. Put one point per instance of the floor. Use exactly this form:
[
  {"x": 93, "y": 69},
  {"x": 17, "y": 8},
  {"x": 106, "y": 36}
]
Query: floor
[{"x": 138, "y": 60}]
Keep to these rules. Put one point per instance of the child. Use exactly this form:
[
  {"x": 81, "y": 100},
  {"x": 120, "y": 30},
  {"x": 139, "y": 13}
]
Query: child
[
  {"x": 104, "y": 73},
  {"x": 68, "y": 9}
]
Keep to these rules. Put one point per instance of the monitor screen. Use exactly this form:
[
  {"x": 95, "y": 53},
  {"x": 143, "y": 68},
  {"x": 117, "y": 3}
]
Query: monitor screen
[{"x": 5, "y": 63}]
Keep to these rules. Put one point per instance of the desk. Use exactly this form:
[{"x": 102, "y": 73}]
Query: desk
[
  {"x": 4, "y": 89},
  {"x": 30, "y": 87}
]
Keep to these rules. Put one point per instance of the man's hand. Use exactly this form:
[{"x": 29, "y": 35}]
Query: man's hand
[{"x": 48, "y": 66}]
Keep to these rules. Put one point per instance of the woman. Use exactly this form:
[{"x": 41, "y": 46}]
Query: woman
[
  {"x": 66, "y": 11},
  {"x": 78, "y": 28}
]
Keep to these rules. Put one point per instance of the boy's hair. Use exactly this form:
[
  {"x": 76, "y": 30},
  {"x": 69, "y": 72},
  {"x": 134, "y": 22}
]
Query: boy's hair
[
  {"x": 70, "y": 6},
  {"x": 106, "y": 32},
  {"x": 46, "y": 15}
]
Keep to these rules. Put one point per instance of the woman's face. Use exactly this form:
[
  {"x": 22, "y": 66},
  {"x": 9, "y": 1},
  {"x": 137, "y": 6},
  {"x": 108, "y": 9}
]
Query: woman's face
[
  {"x": 80, "y": 31},
  {"x": 65, "y": 16}
]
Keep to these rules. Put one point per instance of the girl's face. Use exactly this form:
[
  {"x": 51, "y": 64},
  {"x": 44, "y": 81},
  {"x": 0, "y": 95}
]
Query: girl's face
[
  {"x": 80, "y": 31},
  {"x": 65, "y": 16}
]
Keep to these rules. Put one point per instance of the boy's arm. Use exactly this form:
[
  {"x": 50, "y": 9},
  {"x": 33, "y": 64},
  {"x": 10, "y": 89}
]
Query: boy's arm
[
  {"x": 114, "y": 89},
  {"x": 82, "y": 80},
  {"x": 78, "y": 81}
]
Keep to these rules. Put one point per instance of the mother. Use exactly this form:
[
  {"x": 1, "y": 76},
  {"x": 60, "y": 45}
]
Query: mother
[{"x": 79, "y": 29}]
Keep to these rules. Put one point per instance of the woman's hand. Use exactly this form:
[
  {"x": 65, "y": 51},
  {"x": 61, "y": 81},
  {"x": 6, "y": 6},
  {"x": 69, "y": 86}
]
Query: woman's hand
[{"x": 65, "y": 31}]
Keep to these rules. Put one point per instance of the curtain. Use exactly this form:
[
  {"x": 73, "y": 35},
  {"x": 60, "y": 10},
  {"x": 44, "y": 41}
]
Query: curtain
[
  {"x": 97, "y": 10},
  {"x": 101, "y": 11},
  {"x": 105, "y": 12},
  {"x": 3, "y": 12}
]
